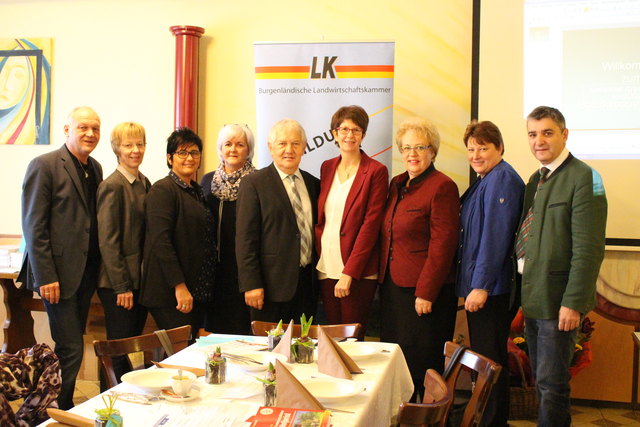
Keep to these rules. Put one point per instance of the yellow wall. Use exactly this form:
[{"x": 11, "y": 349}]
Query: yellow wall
[{"x": 118, "y": 57}]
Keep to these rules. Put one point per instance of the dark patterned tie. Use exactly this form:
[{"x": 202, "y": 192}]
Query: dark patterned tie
[
  {"x": 305, "y": 230},
  {"x": 525, "y": 228}
]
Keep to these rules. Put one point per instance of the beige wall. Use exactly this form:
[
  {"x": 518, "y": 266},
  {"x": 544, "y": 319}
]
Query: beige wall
[{"x": 117, "y": 56}]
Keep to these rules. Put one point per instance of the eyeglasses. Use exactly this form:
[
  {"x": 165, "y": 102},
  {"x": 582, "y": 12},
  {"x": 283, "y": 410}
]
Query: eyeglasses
[
  {"x": 141, "y": 146},
  {"x": 418, "y": 148},
  {"x": 183, "y": 154},
  {"x": 344, "y": 131}
]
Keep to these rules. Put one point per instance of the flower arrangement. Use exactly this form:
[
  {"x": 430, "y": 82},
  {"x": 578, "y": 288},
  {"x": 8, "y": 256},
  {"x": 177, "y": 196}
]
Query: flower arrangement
[
  {"x": 108, "y": 416},
  {"x": 216, "y": 367},
  {"x": 302, "y": 348},
  {"x": 277, "y": 331},
  {"x": 519, "y": 347},
  {"x": 274, "y": 335},
  {"x": 269, "y": 382}
]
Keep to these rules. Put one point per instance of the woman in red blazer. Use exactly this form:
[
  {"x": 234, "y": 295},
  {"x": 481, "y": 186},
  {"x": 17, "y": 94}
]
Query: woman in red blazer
[
  {"x": 353, "y": 189},
  {"x": 418, "y": 240}
]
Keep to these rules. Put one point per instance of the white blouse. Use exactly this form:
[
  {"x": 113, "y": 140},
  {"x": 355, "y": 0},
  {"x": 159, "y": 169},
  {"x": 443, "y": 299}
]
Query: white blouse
[{"x": 330, "y": 265}]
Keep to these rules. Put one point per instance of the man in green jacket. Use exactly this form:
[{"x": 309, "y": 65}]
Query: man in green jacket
[{"x": 560, "y": 246}]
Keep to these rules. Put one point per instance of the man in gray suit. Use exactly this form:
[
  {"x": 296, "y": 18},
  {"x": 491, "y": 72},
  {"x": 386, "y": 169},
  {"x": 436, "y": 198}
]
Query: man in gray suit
[
  {"x": 276, "y": 211},
  {"x": 60, "y": 229}
]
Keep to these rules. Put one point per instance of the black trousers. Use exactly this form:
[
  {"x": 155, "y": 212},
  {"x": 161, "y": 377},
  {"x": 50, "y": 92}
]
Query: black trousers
[
  {"x": 170, "y": 317},
  {"x": 67, "y": 320},
  {"x": 421, "y": 338},
  {"x": 120, "y": 323},
  {"x": 227, "y": 313},
  {"x": 488, "y": 333},
  {"x": 304, "y": 301}
]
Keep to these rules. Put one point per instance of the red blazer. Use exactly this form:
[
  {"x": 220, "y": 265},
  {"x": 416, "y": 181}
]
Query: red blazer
[
  {"x": 419, "y": 232},
  {"x": 362, "y": 215}
]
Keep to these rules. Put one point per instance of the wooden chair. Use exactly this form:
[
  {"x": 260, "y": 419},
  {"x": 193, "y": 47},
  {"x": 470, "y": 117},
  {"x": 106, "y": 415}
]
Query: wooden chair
[
  {"x": 434, "y": 406},
  {"x": 346, "y": 330},
  {"x": 487, "y": 372},
  {"x": 149, "y": 344},
  {"x": 202, "y": 332}
]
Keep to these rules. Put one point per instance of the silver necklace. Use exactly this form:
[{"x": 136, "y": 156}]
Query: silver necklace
[{"x": 86, "y": 171}]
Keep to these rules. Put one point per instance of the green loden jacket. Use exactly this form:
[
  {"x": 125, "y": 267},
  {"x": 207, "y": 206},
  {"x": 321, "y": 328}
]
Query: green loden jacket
[{"x": 566, "y": 242}]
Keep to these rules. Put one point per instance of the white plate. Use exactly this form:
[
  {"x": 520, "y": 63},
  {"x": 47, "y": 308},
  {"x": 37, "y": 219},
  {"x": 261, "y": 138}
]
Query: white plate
[
  {"x": 328, "y": 389},
  {"x": 264, "y": 357},
  {"x": 152, "y": 379},
  {"x": 169, "y": 395},
  {"x": 358, "y": 350}
]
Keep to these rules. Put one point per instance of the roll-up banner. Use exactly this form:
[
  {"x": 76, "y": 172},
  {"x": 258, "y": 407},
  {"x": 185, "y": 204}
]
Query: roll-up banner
[{"x": 308, "y": 82}]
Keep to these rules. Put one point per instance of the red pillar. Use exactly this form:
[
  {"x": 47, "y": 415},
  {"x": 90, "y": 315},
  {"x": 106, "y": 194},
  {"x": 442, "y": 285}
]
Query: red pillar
[{"x": 186, "y": 89}]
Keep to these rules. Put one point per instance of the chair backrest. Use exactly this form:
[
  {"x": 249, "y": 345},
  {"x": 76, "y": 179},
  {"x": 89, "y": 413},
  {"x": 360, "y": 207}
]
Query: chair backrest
[
  {"x": 345, "y": 330},
  {"x": 202, "y": 332},
  {"x": 487, "y": 372},
  {"x": 149, "y": 344},
  {"x": 434, "y": 406}
]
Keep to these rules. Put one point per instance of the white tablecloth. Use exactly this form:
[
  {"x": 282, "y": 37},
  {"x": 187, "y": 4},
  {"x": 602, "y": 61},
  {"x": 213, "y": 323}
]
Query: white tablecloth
[{"x": 385, "y": 376}]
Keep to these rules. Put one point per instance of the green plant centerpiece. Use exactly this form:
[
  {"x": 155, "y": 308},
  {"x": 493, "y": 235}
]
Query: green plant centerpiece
[
  {"x": 274, "y": 335},
  {"x": 302, "y": 348},
  {"x": 269, "y": 383},
  {"x": 216, "y": 368},
  {"x": 108, "y": 416}
]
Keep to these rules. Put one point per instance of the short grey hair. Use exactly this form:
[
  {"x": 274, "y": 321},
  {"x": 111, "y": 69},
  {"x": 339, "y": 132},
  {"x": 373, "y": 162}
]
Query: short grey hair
[
  {"x": 233, "y": 130},
  {"x": 72, "y": 115},
  {"x": 286, "y": 124}
]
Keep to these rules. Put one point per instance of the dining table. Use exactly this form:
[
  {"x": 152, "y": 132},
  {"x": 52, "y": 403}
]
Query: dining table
[{"x": 384, "y": 383}]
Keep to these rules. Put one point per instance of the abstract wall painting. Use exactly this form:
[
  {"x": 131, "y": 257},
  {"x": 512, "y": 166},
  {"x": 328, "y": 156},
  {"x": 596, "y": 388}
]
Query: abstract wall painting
[{"x": 25, "y": 90}]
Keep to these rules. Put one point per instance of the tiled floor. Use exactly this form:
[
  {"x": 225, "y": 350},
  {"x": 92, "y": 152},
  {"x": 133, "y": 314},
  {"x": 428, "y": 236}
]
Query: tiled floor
[
  {"x": 85, "y": 390},
  {"x": 583, "y": 416}
]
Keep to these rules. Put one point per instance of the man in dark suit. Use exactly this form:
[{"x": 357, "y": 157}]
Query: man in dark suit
[
  {"x": 560, "y": 247},
  {"x": 276, "y": 211},
  {"x": 60, "y": 229}
]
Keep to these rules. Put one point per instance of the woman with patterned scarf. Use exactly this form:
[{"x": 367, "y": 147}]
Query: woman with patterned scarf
[{"x": 228, "y": 313}]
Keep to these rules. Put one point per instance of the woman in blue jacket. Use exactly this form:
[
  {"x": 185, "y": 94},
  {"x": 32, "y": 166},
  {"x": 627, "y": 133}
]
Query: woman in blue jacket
[{"x": 490, "y": 210}]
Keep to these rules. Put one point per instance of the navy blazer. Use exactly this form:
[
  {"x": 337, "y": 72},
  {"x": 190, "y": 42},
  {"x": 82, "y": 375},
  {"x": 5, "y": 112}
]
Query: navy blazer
[
  {"x": 489, "y": 218},
  {"x": 267, "y": 236}
]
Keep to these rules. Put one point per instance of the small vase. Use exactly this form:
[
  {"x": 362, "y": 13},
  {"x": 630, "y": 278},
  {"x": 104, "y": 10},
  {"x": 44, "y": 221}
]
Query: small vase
[
  {"x": 304, "y": 354},
  {"x": 114, "y": 420},
  {"x": 269, "y": 395},
  {"x": 273, "y": 341},
  {"x": 216, "y": 370}
]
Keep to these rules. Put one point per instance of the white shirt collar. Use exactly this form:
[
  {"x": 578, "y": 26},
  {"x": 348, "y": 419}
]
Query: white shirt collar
[
  {"x": 284, "y": 175},
  {"x": 557, "y": 162},
  {"x": 128, "y": 175}
]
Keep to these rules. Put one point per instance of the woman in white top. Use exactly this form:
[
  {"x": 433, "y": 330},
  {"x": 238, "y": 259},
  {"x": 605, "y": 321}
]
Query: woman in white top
[{"x": 353, "y": 190}]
